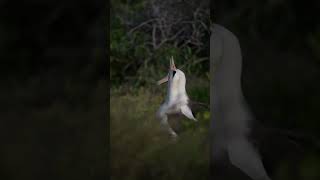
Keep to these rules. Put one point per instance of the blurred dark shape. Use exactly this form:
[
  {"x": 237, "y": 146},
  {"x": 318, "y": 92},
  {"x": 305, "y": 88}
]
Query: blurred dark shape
[
  {"x": 53, "y": 94},
  {"x": 280, "y": 45},
  {"x": 232, "y": 119}
]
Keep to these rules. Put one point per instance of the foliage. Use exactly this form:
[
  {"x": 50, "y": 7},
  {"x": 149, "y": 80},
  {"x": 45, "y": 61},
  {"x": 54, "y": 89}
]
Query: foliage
[
  {"x": 143, "y": 150},
  {"x": 142, "y": 41}
]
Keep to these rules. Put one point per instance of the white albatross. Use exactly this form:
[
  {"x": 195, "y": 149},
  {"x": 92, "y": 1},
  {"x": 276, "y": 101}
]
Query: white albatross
[{"x": 177, "y": 99}]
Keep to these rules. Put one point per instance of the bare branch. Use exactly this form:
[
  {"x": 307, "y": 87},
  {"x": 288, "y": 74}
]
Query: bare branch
[
  {"x": 154, "y": 40},
  {"x": 141, "y": 25}
]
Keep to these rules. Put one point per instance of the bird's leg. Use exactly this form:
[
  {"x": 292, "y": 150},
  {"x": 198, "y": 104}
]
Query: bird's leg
[{"x": 164, "y": 122}]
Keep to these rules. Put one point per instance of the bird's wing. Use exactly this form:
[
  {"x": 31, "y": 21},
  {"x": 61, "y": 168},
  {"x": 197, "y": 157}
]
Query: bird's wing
[{"x": 185, "y": 110}]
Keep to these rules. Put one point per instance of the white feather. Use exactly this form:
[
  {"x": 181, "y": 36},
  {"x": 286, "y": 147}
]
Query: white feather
[{"x": 176, "y": 100}]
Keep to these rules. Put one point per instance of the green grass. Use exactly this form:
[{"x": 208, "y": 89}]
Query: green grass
[{"x": 141, "y": 149}]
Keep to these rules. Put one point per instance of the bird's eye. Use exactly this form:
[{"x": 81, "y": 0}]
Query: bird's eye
[{"x": 174, "y": 72}]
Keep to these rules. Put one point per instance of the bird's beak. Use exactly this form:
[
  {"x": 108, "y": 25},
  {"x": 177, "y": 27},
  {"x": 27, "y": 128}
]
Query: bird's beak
[
  {"x": 172, "y": 68},
  {"x": 172, "y": 65},
  {"x": 163, "y": 80}
]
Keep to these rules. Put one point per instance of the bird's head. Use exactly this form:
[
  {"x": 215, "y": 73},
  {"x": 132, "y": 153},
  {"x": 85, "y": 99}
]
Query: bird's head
[{"x": 174, "y": 74}]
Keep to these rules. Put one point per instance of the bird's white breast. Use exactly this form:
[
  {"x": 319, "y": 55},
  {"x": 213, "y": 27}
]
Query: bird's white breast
[{"x": 177, "y": 94}]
